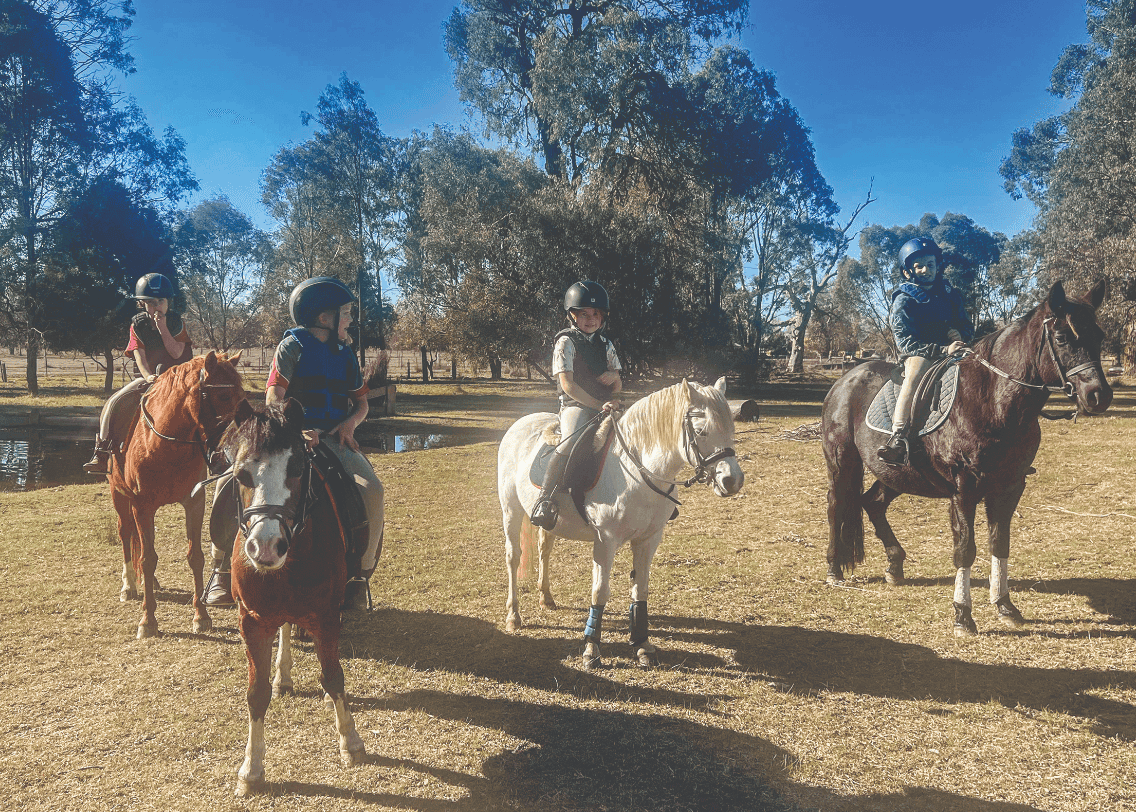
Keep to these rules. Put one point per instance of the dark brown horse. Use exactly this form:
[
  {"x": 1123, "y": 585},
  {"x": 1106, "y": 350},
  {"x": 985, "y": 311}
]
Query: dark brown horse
[
  {"x": 982, "y": 452},
  {"x": 182, "y": 417},
  {"x": 289, "y": 567}
]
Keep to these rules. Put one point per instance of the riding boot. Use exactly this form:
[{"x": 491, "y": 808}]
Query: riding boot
[
  {"x": 219, "y": 589},
  {"x": 357, "y": 593},
  {"x": 97, "y": 464},
  {"x": 895, "y": 451},
  {"x": 544, "y": 513}
]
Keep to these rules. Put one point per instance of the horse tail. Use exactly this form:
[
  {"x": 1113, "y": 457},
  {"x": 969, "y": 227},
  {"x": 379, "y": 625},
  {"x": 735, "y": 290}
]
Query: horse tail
[
  {"x": 845, "y": 506},
  {"x": 527, "y": 568}
]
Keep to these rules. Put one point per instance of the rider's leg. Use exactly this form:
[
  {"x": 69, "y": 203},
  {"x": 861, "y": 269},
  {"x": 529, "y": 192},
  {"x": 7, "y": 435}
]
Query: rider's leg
[
  {"x": 114, "y": 422},
  {"x": 895, "y": 451},
  {"x": 572, "y": 419},
  {"x": 362, "y": 559},
  {"x": 222, "y": 533}
]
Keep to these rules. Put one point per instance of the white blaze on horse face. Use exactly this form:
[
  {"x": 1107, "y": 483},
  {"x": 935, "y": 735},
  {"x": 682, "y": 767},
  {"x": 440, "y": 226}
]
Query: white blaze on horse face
[{"x": 263, "y": 544}]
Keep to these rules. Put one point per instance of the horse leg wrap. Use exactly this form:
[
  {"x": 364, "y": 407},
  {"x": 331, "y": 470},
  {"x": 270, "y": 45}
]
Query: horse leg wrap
[
  {"x": 637, "y": 625},
  {"x": 594, "y": 625}
]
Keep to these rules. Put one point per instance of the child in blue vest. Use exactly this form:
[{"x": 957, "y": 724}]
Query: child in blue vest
[
  {"x": 315, "y": 365},
  {"x": 929, "y": 321},
  {"x": 586, "y": 368}
]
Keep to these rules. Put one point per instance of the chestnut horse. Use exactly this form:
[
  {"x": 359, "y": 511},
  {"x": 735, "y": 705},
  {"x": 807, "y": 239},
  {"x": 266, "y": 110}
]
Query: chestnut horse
[
  {"x": 983, "y": 452},
  {"x": 289, "y": 567},
  {"x": 181, "y": 419}
]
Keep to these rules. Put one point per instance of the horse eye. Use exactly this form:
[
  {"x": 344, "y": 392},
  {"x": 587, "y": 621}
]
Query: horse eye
[
  {"x": 244, "y": 477},
  {"x": 1061, "y": 338}
]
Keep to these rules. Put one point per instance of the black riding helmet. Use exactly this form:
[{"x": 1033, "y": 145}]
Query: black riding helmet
[
  {"x": 919, "y": 247},
  {"x": 313, "y": 296},
  {"x": 154, "y": 286},
  {"x": 586, "y": 294}
]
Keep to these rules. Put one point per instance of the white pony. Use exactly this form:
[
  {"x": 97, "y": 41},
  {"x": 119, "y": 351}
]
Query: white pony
[{"x": 684, "y": 424}]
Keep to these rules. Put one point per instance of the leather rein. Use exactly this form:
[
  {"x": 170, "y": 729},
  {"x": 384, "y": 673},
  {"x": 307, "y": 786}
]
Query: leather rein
[{"x": 202, "y": 441}]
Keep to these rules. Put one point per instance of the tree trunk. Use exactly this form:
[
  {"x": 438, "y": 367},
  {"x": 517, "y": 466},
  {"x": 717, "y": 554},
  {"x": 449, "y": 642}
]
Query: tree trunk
[
  {"x": 29, "y": 313},
  {"x": 425, "y": 365},
  {"x": 800, "y": 327},
  {"x": 495, "y": 365},
  {"x": 108, "y": 379}
]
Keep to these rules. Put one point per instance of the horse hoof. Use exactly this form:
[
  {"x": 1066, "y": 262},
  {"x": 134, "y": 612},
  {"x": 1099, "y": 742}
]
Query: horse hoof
[
  {"x": 962, "y": 631},
  {"x": 1008, "y": 614},
  {"x": 964, "y": 622},
  {"x": 354, "y": 756},
  {"x": 282, "y": 690},
  {"x": 147, "y": 630},
  {"x": 894, "y": 575},
  {"x": 547, "y": 603},
  {"x": 834, "y": 578},
  {"x": 202, "y": 625},
  {"x": 129, "y": 595},
  {"x": 512, "y": 624},
  {"x": 592, "y": 662},
  {"x": 249, "y": 786},
  {"x": 648, "y": 658}
]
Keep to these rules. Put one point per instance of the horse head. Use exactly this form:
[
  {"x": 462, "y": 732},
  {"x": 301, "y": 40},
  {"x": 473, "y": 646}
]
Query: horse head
[
  {"x": 269, "y": 461},
  {"x": 1074, "y": 340},
  {"x": 708, "y": 437},
  {"x": 221, "y": 385}
]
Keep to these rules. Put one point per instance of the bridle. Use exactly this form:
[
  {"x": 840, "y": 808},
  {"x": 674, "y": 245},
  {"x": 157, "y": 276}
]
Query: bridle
[
  {"x": 202, "y": 439},
  {"x": 291, "y": 520},
  {"x": 1048, "y": 341},
  {"x": 691, "y": 453}
]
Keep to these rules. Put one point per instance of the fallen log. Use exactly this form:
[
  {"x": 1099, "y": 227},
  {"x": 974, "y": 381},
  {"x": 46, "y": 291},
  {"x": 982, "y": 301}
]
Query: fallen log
[{"x": 744, "y": 411}]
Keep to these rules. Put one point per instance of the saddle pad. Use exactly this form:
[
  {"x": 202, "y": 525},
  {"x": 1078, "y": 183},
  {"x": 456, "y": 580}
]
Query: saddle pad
[
  {"x": 942, "y": 398},
  {"x": 585, "y": 464}
]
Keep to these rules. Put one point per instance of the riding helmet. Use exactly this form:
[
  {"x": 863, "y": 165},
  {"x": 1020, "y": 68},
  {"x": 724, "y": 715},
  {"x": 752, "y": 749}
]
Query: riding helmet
[
  {"x": 586, "y": 294},
  {"x": 918, "y": 247},
  {"x": 154, "y": 286},
  {"x": 313, "y": 296}
]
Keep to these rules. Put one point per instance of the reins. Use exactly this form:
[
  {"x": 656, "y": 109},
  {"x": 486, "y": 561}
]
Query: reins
[
  {"x": 1047, "y": 342},
  {"x": 202, "y": 442}
]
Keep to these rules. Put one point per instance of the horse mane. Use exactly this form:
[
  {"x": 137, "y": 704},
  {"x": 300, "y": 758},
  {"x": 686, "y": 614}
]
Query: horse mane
[
  {"x": 263, "y": 430},
  {"x": 655, "y": 422}
]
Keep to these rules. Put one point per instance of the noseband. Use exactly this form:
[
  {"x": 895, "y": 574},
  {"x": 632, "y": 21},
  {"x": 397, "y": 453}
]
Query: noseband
[
  {"x": 1048, "y": 341},
  {"x": 702, "y": 465},
  {"x": 291, "y": 520}
]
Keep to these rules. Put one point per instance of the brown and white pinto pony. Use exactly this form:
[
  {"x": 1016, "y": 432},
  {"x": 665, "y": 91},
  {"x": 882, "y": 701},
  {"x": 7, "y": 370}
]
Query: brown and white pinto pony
[
  {"x": 289, "y": 567},
  {"x": 983, "y": 452},
  {"x": 181, "y": 419}
]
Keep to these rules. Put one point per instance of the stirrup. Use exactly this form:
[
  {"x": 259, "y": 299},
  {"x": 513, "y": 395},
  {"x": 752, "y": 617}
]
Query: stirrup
[
  {"x": 219, "y": 590},
  {"x": 544, "y": 514},
  {"x": 357, "y": 595},
  {"x": 897, "y": 451}
]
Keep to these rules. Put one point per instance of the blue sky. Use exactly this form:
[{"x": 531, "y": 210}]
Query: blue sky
[{"x": 921, "y": 97}]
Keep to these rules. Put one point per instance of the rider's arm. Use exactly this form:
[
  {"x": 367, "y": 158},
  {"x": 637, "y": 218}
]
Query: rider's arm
[{"x": 143, "y": 367}]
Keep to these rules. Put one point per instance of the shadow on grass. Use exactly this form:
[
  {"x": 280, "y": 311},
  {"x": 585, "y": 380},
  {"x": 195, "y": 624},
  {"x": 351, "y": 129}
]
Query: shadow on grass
[{"x": 809, "y": 661}]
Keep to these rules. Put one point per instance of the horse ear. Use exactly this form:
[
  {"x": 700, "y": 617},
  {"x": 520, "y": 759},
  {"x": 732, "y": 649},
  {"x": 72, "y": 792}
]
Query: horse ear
[
  {"x": 1056, "y": 300},
  {"x": 720, "y": 385},
  {"x": 244, "y": 412},
  {"x": 293, "y": 413},
  {"x": 211, "y": 361},
  {"x": 1099, "y": 293},
  {"x": 235, "y": 357}
]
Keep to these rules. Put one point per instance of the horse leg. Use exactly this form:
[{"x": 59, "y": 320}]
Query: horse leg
[
  {"x": 544, "y": 547},
  {"x": 963, "y": 507},
  {"x": 126, "y": 531},
  {"x": 876, "y": 502},
  {"x": 351, "y": 748},
  {"x": 999, "y": 511},
  {"x": 845, "y": 516},
  {"x": 603, "y": 554},
  {"x": 194, "y": 518},
  {"x": 258, "y": 649},
  {"x": 282, "y": 682},
  {"x": 147, "y": 556},
  {"x": 643, "y": 552},
  {"x": 513, "y": 520}
]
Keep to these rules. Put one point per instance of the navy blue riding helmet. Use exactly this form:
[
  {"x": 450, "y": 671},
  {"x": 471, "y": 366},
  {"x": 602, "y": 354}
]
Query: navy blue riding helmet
[{"x": 154, "y": 286}]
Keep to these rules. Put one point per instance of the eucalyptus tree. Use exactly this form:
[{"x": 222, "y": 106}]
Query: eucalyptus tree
[
  {"x": 1078, "y": 167},
  {"x": 224, "y": 258},
  {"x": 358, "y": 167}
]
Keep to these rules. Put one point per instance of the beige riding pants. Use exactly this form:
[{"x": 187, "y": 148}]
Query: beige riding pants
[{"x": 914, "y": 366}]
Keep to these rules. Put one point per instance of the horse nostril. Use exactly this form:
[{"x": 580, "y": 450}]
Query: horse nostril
[{"x": 282, "y": 548}]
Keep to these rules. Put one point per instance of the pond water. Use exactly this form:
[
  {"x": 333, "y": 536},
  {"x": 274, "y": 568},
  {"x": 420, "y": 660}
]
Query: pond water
[{"x": 33, "y": 458}]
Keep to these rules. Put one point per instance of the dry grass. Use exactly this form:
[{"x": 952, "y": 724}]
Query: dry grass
[{"x": 775, "y": 691}]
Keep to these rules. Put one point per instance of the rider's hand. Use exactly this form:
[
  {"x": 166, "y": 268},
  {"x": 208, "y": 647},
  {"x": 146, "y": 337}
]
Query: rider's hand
[
  {"x": 612, "y": 406},
  {"x": 345, "y": 432},
  {"x": 312, "y": 438},
  {"x": 151, "y": 378},
  {"x": 955, "y": 346}
]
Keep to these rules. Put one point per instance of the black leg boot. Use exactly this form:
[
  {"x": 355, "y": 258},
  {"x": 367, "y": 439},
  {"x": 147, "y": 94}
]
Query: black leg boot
[
  {"x": 895, "y": 452},
  {"x": 544, "y": 512},
  {"x": 97, "y": 464}
]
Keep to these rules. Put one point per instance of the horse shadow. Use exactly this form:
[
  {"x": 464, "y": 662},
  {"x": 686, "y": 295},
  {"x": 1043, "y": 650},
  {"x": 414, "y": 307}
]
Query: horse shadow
[
  {"x": 444, "y": 642},
  {"x": 809, "y": 661}
]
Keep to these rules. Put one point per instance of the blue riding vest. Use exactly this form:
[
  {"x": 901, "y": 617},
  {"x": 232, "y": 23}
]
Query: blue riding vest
[{"x": 321, "y": 380}]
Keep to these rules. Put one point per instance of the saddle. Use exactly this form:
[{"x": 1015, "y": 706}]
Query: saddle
[
  {"x": 932, "y": 402},
  {"x": 329, "y": 474},
  {"x": 585, "y": 459}
]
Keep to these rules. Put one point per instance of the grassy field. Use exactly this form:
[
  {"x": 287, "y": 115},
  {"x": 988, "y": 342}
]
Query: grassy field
[{"x": 775, "y": 691}]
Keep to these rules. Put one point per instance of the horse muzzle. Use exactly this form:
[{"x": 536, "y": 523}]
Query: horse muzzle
[
  {"x": 1092, "y": 392},
  {"x": 728, "y": 477},
  {"x": 266, "y": 551}
]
